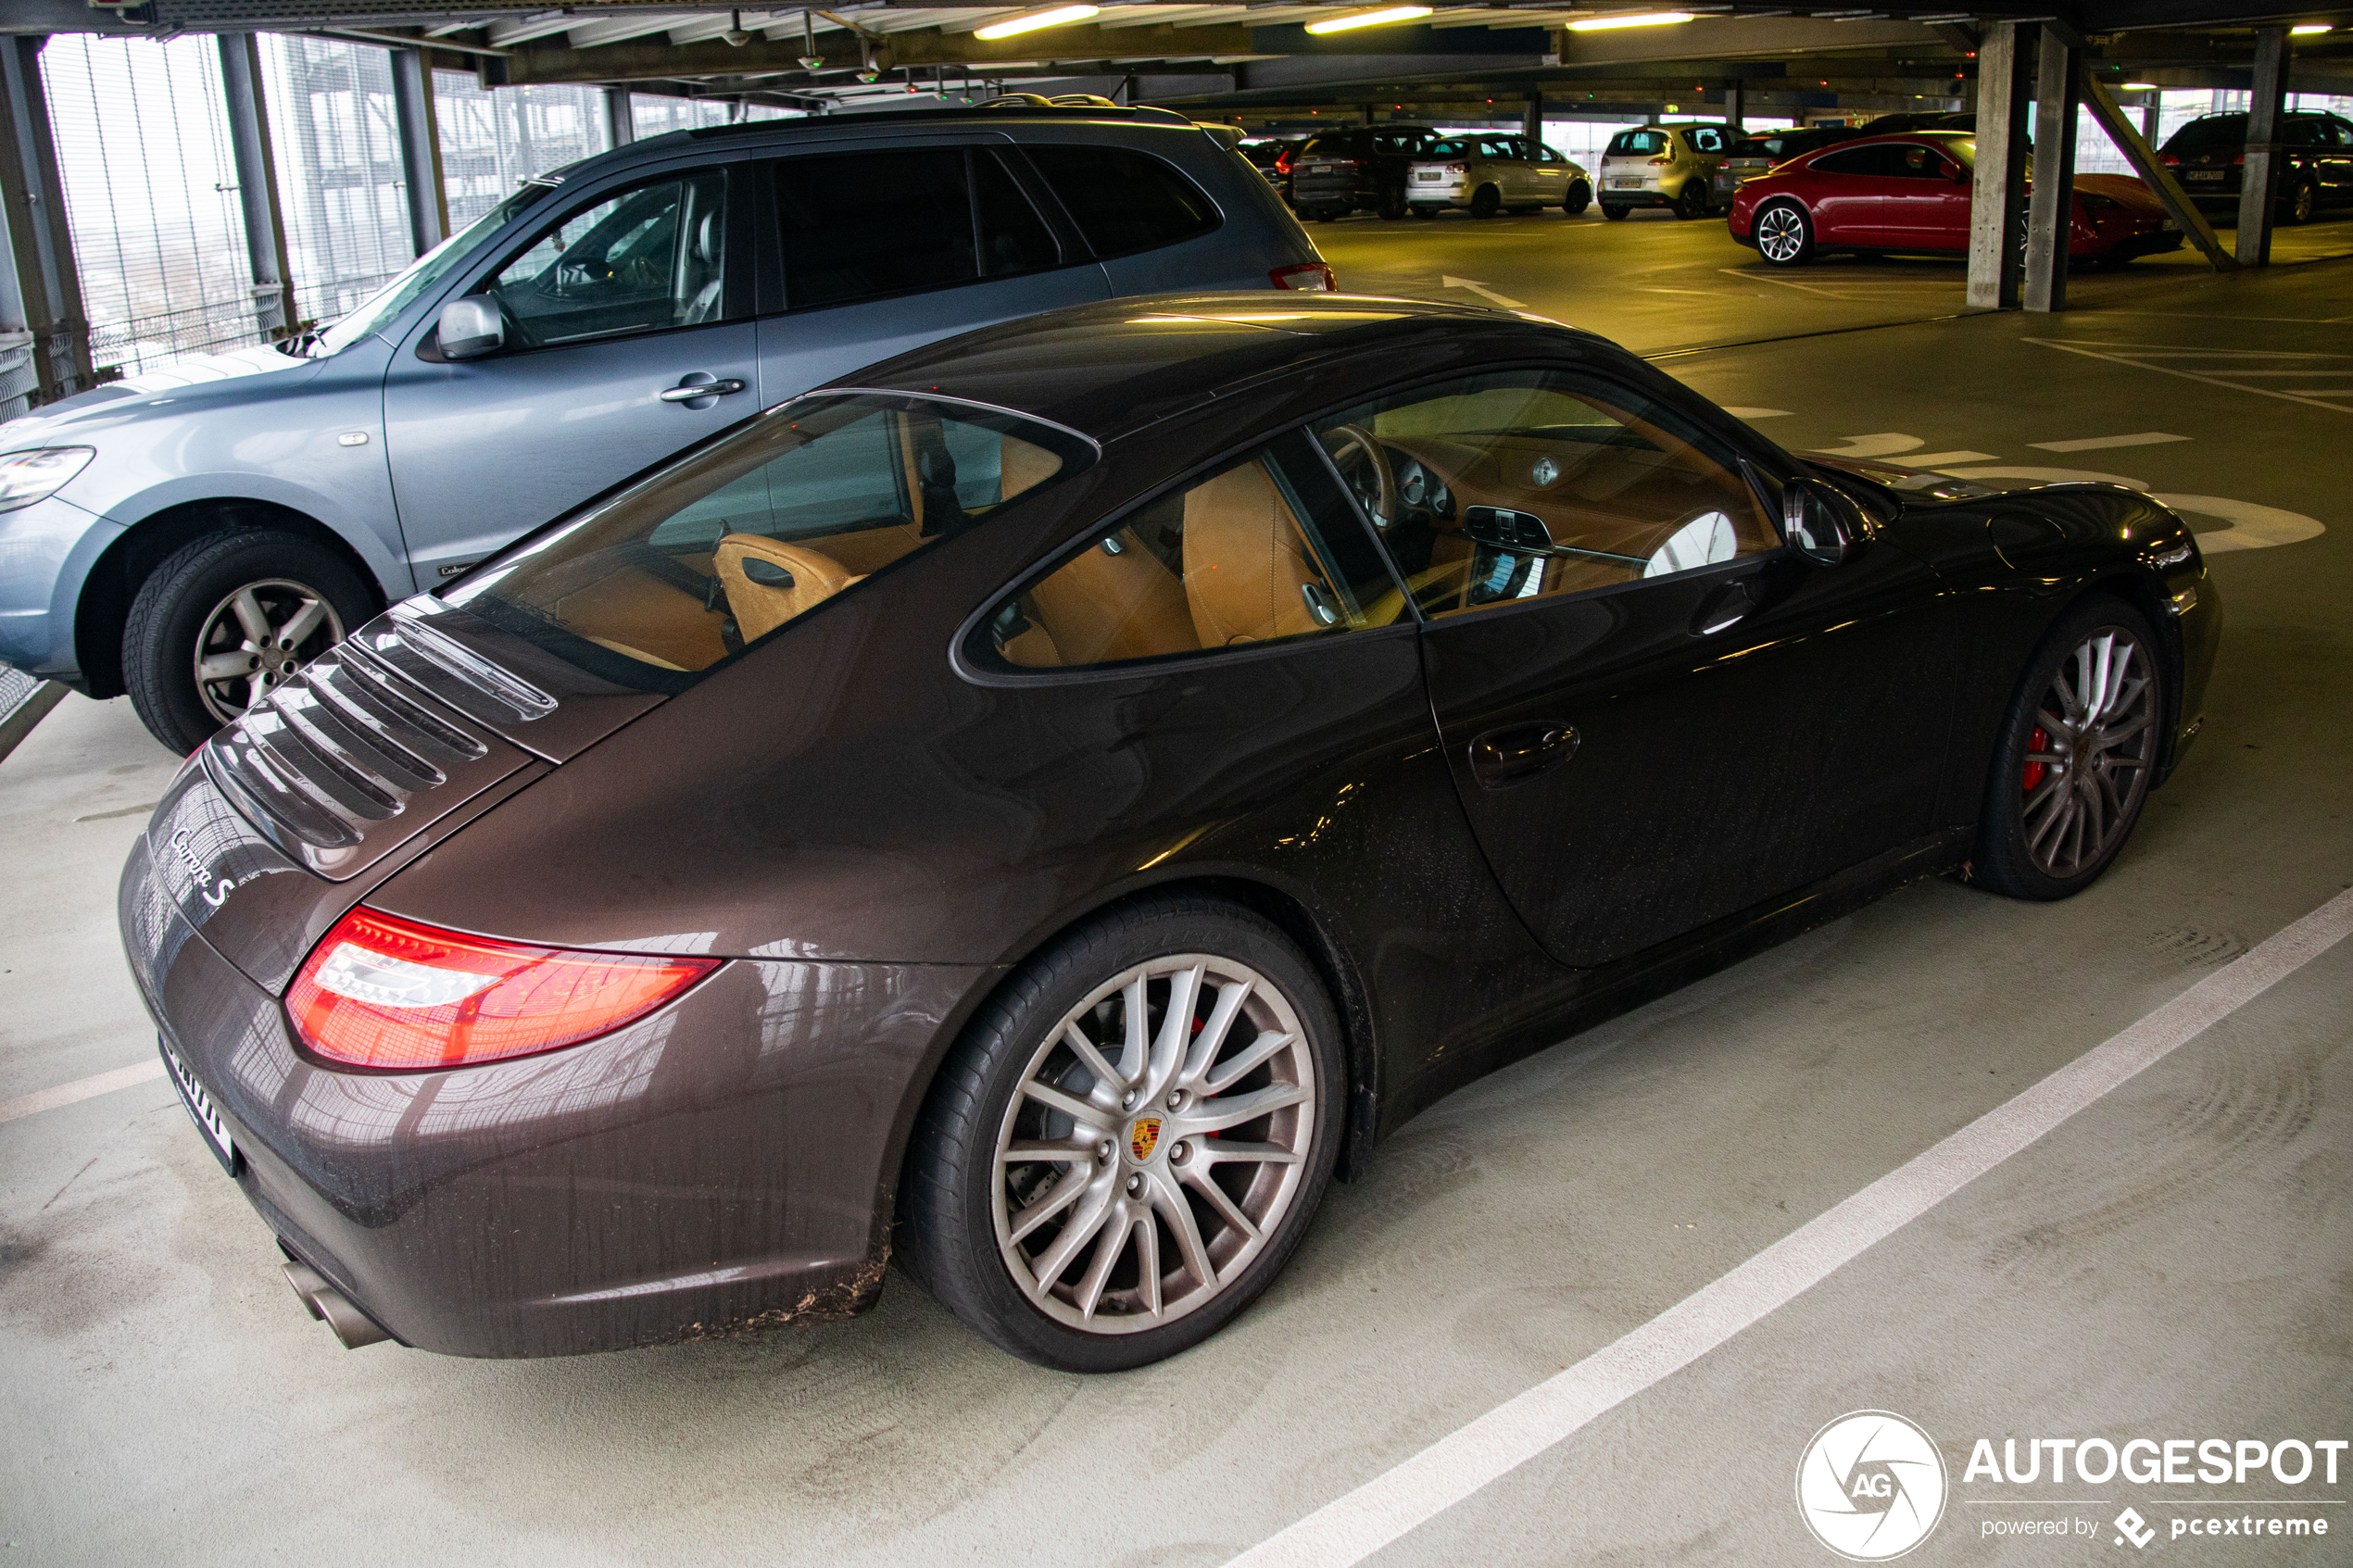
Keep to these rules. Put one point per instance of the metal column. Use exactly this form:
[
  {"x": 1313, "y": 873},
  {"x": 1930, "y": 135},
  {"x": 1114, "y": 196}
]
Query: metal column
[
  {"x": 419, "y": 132},
  {"x": 2258, "y": 191},
  {"x": 2155, "y": 175},
  {"x": 40, "y": 244},
  {"x": 273, "y": 305},
  {"x": 620, "y": 120},
  {"x": 2050, "y": 218},
  {"x": 1996, "y": 199}
]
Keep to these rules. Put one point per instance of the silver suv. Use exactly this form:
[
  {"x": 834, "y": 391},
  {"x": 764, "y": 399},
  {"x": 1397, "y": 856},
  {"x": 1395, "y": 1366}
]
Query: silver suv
[
  {"x": 192, "y": 536},
  {"x": 1494, "y": 174},
  {"x": 1668, "y": 166}
]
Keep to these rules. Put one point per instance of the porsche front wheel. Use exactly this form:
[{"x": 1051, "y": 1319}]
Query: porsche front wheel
[
  {"x": 1784, "y": 237},
  {"x": 1126, "y": 1146}
]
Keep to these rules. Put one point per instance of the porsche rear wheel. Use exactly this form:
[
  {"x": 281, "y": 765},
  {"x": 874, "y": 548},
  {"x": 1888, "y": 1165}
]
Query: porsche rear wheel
[
  {"x": 2078, "y": 754},
  {"x": 1127, "y": 1144}
]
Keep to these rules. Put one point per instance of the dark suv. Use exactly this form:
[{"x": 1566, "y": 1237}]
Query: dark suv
[
  {"x": 1361, "y": 167},
  {"x": 2209, "y": 155}
]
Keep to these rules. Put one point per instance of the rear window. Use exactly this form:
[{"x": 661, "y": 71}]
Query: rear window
[
  {"x": 1401, "y": 144},
  {"x": 2213, "y": 133},
  {"x": 1123, "y": 201},
  {"x": 857, "y": 225},
  {"x": 1346, "y": 143},
  {"x": 1638, "y": 141},
  {"x": 1453, "y": 146},
  {"x": 685, "y": 571}
]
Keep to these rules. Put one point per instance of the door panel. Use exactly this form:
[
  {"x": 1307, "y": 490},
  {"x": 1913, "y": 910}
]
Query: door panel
[
  {"x": 1924, "y": 205},
  {"x": 626, "y": 298}
]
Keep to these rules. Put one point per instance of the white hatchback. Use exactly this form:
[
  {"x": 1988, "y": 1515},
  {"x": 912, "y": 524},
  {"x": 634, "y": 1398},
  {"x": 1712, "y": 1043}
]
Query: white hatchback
[{"x": 1494, "y": 174}]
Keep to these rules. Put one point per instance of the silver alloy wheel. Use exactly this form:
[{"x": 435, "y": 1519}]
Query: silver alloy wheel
[
  {"x": 258, "y": 636},
  {"x": 1781, "y": 233},
  {"x": 2088, "y": 758},
  {"x": 1157, "y": 1142}
]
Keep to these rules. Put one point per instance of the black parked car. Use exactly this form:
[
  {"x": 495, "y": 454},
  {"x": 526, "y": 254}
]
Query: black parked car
[
  {"x": 1361, "y": 167},
  {"x": 2209, "y": 155},
  {"x": 1035, "y": 811}
]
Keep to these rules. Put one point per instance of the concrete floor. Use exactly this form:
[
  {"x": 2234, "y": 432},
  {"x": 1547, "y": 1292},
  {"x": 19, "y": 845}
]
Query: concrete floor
[{"x": 2173, "y": 1263}]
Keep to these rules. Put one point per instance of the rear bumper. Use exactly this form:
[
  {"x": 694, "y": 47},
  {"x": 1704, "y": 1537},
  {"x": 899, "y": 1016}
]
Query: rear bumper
[{"x": 730, "y": 1160}]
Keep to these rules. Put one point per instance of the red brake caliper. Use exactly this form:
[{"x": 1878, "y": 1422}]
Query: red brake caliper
[{"x": 2038, "y": 741}]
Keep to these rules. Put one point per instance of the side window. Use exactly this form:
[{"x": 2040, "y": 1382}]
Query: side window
[
  {"x": 857, "y": 225},
  {"x": 1916, "y": 162},
  {"x": 651, "y": 257},
  {"x": 1852, "y": 160},
  {"x": 1523, "y": 483},
  {"x": 1122, "y": 200},
  {"x": 1265, "y": 550},
  {"x": 1704, "y": 139}
]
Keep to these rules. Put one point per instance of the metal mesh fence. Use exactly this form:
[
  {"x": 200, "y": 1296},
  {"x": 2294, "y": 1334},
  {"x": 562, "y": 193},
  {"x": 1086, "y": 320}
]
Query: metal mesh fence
[
  {"x": 491, "y": 142},
  {"x": 341, "y": 188}
]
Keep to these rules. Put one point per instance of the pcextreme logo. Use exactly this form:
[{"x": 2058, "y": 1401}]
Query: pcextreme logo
[{"x": 1872, "y": 1485}]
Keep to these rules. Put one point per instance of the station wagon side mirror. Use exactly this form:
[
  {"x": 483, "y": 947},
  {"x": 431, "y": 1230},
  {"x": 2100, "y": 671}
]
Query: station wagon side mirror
[
  {"x": 471, "y": 327},
  {"x": 1822, "y": 522}
]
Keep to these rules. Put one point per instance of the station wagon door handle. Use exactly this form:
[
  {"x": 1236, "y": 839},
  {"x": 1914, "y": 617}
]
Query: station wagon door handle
[
  {"x": 1500, "y": 759},
  {"x": 690, "y": 388}
]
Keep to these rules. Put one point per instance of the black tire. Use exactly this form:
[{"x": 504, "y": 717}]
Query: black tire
[
  {"x": 1614, "y": 210},
  {"x": 2025, "y": 829},
  {"x": 1485, "y": 202},
  {"x": 1579, "y": 197},
  {"x": 1425, "y": 212},
  {"x": 1784, "y": 235},
  {"x": 1392, "y": 204},
  {"x": 947, "y": 1219},
  {"x": 183, "y": 602},
  {"x": 1692, "y": 200}
]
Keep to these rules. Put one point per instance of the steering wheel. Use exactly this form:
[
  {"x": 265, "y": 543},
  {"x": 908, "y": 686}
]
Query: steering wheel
[{"x": 1360, "y": 458}]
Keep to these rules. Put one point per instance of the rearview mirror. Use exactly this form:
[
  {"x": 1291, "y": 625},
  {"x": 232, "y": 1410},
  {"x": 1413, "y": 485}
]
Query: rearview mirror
[
  {"x": 1822, "y": 522},
  {"x": 471, "y": 327}
]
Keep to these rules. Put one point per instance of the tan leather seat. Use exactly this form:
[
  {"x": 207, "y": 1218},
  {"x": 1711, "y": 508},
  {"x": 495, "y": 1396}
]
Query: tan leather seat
[
  {"x": 1246, "y": 564},
  {"x": 761, "y": 608},
  {"x": 1099, "y": 607}
]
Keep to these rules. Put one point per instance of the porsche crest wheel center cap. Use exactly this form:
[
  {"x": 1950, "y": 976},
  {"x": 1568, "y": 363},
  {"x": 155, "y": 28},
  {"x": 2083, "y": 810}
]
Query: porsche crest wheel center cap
[{"x": 1143, "y": 1137}]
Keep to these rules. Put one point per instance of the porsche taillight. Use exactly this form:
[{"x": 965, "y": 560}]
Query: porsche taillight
[
  {"x": 379, "y": 991},
  {"x": 1310, "y": 277}
]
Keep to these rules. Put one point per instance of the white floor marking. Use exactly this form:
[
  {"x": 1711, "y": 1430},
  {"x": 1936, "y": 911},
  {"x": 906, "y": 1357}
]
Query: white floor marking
[
  {"x": 1482, "y": 291},
  {"x": 2253, "y": 527},
  {"x": 1385, "y": 1508},
  {"x": 1886, "y": 443},
  {"x": 1759, "y": 413},
  {"x": 1947, "y": 459},
  {"x": 2203, "y": 355},
  {"x": 2049, "y": 476},
  {"x": 2102, "y": 443},
  {"x": 79, "y": 1089}
]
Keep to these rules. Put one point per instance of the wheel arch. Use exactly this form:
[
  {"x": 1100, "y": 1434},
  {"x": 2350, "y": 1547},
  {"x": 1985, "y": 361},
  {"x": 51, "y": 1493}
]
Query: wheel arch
[{"x": 123, "y": 567}]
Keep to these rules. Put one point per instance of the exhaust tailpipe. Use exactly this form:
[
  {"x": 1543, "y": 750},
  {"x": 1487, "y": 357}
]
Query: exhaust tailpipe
[{"x": 332, "y": 1306}]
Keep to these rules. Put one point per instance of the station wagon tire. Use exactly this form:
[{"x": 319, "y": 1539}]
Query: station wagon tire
[
  {"x": 1579, "y": 197},
  {"x": 1392, "y": 204},
  {"x": 2078, "y": 750},
  {"x": 1784, "y": 235},
  {"x": 1179, "y": 1235},
  {"x": 1613, "y": 210},
  {"x": 1692, "y": 200},
  {"x": 2302, "y": 203},
  {"x": 1485, "y": 202},
  {"x": 249, "y": 607}
]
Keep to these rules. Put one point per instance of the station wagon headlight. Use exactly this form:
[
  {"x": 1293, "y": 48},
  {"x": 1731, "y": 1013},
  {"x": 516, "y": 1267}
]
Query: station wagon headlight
[{"x": 27, "y": 477}]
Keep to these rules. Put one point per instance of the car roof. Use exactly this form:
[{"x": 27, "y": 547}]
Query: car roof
[{"x": 1109, "y": 368}]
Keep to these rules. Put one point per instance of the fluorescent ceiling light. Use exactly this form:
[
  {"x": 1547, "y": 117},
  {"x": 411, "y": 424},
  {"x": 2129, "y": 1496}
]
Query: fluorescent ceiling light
[
  {"x": 1031, "y": 21},
  {"x": 1628, "y": 19},
  {"x": 2140, "y": 87},
  {"x": 2305, "y": 30},
  {"x": 1370, "y": 18}
]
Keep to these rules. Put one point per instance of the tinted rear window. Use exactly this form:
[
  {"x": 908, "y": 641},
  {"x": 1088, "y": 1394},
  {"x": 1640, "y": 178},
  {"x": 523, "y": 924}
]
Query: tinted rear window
[
  {"x": 861, "y": 224},
  {"x": 1122, "y": 200},
  {"x": 2213, "y": 133},
  {"x": 1636, "y": 142},
  {"x": 1345, "y": 144}
]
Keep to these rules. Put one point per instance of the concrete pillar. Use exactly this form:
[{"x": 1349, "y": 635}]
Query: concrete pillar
[
  {"x": 41, "y": 245},
  {"x": 273, "y": 305},
  {"x": 2050, "y": 218},
  {"x": 1531, "y": 118},
  {"x": 2000, "y": 188},
  {"x": 420, "y": 131},
  {"x": 620, "y": 120},
  {"x": 2258, "y": 191},
  {"x": 2150, "y": 118},
  {"x": 1736, "y": 104}
]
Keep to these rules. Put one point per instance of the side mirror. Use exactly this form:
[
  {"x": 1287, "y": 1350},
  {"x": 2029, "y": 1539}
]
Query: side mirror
[
  {"x": 471, "y": 327},
  {"x": 1957, "y": 174},
  {"x": 1823, "y": 522}
]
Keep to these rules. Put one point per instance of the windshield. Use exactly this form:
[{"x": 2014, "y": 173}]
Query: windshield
[
  {"x": 688, "y": 568},
  {"x": 428, "y": 269}
]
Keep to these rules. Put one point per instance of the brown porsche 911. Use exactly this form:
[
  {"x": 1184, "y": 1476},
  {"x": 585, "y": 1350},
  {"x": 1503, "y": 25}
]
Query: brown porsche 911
[{"x": 1036, "y": 812}]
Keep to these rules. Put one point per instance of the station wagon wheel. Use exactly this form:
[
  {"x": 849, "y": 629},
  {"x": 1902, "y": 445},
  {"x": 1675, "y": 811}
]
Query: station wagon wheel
[
  {"x": 2078, "y": 756},
  {"x": 1783, "y": 236},
  {"x": 1124, "y": 1149},
  {"x": 1485, "y": 202},
  {"x": 226, "y": 621},
  {"x": 1579, "y": 197},
  {"x": 2303, "y": 201}
]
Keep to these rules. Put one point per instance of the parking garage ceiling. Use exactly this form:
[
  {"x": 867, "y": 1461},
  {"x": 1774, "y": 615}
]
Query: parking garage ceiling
[{"x": 1258, "y": 58}]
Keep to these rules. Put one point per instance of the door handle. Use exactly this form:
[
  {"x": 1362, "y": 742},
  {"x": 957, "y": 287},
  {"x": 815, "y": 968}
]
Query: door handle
[
  {"x": 700, "y": 384},
  {"x": 1517, "y": 753}
]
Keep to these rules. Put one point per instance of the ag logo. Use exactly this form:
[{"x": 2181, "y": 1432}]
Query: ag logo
[
  {"x": 1871, "y": 1485},
  {"x": 1144, "y": 1136}
]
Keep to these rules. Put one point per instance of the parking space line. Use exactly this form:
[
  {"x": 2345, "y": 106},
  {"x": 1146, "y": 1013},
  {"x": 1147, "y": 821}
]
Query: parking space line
[
  {"x": 1355, "y": 1526},
  {"x": 79, "y": 1089},
  {"x": 2102, "y": 443}
]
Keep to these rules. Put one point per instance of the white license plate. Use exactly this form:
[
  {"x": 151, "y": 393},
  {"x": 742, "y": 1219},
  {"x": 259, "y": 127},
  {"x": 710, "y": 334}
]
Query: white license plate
[
  {"x": 1427, "y": 178},
  {"x": 1626, "y": 184},
  {"x": 201, "y": 1109},
  {"x": 1316, "y": 168},
  {"x": 2205, "y": 174}
]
